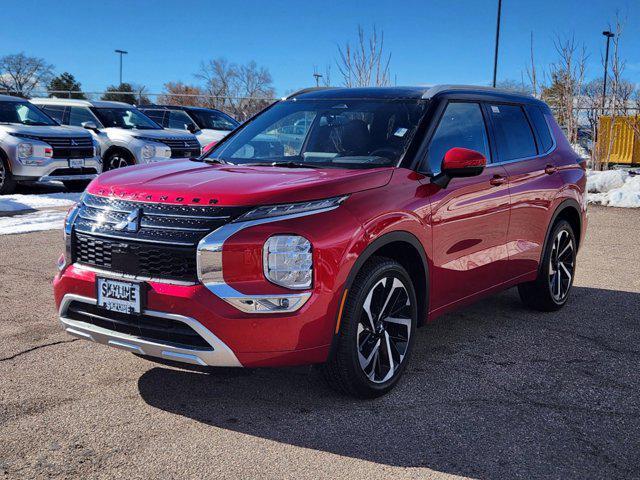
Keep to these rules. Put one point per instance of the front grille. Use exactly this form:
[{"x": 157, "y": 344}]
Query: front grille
[
  {"x": 164, "y": 246},
  {"x": 146, "y": 327},
  {"x": 181, "y": 148},
  {"x": 69, "y": 147}
]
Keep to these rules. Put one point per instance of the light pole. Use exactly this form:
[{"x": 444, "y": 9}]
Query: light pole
[
  {"x": 495, "y": 56},
  {"x": 609, "y": 35},
  {"x": 121, "y": 52},
  {"x": 317, "y": 76}
]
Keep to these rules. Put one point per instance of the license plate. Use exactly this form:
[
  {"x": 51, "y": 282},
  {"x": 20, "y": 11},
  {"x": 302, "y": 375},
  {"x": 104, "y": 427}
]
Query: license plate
[
  {"x": 76, "y": 162},
  {"x": 119, "y": 296}
]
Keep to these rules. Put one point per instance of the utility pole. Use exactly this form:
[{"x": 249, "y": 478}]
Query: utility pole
[
  {"x": 121, "y": 52},
  {"x": 317, "y": 76},
  {"x": 609, "y": 35},
  {"x": 495, "y": 56}
]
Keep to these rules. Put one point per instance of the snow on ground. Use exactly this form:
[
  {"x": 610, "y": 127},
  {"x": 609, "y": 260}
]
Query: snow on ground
[
  {"x": 32, "y": 222},
  {"x": 614, "y": 188},
  {"x": 15, "y": 203}
]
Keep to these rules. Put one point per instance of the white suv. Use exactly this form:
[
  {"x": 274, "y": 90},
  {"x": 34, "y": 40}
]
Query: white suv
[
  {"x": 33, "y": 147},
  {"x": 126, "y": 135}
]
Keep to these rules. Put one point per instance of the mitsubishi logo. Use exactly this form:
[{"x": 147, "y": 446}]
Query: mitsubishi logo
[
  {"x": 74, "y": 143},
  {"x": 186, "y": 144},
  {"x": 131, "y": 223}
]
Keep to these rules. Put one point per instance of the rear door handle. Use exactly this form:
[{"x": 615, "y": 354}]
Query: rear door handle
[
  {"x": 549, "y": 169},
  {"x": 497, "y": 180}
]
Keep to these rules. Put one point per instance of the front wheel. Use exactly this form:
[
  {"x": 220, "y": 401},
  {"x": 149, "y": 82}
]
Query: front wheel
[
  {"x": 118, "y": 159},
  {"x": 376, "y": 332},
  {"x": 7, "y": 183},
  {"x": 550, "y": 291}
]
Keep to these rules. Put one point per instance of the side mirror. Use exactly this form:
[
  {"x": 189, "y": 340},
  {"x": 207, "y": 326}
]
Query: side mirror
[
  {"x": 192, "y": 127},
  {"x": 90, "y": 126},
  {"x": 459, "y": 162}
]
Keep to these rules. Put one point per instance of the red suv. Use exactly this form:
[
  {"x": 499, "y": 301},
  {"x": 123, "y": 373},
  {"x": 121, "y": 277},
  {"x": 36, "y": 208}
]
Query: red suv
[{"x": 326, "y": 230}]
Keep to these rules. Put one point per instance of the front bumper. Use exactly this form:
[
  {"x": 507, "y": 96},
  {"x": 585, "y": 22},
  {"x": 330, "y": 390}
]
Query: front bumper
[
  {"x": 46, "y": 172},
  {"x": 219, "y": 355}
]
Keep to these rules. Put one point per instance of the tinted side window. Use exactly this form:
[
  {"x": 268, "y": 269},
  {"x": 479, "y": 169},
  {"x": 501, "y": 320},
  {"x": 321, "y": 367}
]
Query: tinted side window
[
  {"x": 461, "y": 125},
  {"x": 541, "y": 126},
  {"x": 155, "y": 115},
  {"x": 514, "y": 138},
  {"x": 178, "y": 120},
  {"x": 54, "y": 111},
  {"x": 77, "y": 115}
]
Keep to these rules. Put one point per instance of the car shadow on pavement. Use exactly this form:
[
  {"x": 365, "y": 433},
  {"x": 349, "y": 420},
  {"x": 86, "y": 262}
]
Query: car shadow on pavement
[{"x": 494, "y": 391}]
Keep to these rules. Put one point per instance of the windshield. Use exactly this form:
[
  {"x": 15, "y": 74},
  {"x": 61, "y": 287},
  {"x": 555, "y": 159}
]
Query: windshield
[
  {"x": 125, "y": 118},
  {"x": 360, "y": 133},
  {"x": 24, "y": 113},
  {"x": 213, "y": 120}
]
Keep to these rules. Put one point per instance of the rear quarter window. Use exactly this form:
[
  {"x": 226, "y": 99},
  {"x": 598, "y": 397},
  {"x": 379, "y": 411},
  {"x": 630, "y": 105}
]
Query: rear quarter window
[
  {"x": 542, "y": 128},
  {"x": 514, "y": 137}
]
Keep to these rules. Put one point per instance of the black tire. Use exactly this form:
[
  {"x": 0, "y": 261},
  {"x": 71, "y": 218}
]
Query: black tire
[
  {"x": 377, "y": 284},
  {"x": 118, "y": 159},
  {"x": 7, "y": 183},
  {"x": 76, "y": 185},
  {"x": 550, "y": 291}
]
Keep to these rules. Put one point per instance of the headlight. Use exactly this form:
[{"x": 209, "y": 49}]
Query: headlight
[
  {"x": 288, "y": 261},
  {"x": 291, "y": 208},
  {"x": 148, "y": 151},
  {"x": 96, "y": 150},
  {"x": 25, "y": 150}
]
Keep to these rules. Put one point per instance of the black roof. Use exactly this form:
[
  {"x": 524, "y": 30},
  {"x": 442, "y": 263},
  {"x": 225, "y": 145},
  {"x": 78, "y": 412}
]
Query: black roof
[{"x": 412, "y": 93}]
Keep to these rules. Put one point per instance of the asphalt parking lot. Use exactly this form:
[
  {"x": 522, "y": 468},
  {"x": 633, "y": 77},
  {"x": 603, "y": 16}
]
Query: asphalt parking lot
[{"x": 494, "y": 391}]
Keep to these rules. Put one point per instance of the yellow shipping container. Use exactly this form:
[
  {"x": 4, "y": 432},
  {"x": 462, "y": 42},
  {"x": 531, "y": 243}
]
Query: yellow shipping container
[{"x": 626, "y": 140}]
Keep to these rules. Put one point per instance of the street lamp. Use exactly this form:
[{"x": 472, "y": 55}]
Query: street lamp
[
  {"x": 609, "y": 35},
  {"x": 495, "y": 56},
  {"x": 317, "y": 76},
  {"x": 121, "y": 52}
]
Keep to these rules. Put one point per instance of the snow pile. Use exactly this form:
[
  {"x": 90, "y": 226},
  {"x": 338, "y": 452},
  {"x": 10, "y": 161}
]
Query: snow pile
[
  {"x": 614, "y": 188},
  {"x": 580, "y": 150},
  {"x": 15, "y": 203},
  {"x": 32, "y": 222}
]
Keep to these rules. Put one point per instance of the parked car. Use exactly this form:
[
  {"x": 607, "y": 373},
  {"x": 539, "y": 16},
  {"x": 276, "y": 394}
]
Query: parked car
[
  {"x": 33, "y": 147},
  {"x": 207, "y": 124},
  {"x": 400, "y": 205},
  {"x": 126, "y": 135}
]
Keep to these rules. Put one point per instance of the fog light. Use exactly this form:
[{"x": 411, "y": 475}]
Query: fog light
[
  {"x": 269, "y": 304},
  {"x": 288, "y": 261}
]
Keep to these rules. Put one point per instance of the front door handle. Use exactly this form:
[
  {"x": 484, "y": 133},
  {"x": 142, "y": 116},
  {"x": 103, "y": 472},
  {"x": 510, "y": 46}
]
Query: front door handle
[
  {"x": 497, "y": 180},
  {"x": 549, "y": 169}
]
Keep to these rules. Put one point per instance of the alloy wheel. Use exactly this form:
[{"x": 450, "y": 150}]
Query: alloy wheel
[
  {"x": 117, "y": 161},
  {"x": 561, "y": 265},
  {"x": 384, "y": 329},
  {"x": 3, "y": 174}
]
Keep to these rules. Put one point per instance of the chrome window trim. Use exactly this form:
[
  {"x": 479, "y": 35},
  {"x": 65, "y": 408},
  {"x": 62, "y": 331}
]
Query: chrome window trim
[
  {"x": 212, "y": 277},
  {"x": 220, "y": 355}
]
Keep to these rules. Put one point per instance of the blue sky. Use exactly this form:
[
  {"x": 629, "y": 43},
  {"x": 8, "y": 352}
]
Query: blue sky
[{"x": 431, "y": 41}]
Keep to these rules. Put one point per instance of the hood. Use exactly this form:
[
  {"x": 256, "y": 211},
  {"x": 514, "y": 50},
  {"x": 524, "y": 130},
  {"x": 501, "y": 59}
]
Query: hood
[
  {"x": 164, "y": 133},
  {"x": 194, "y": 183},
  {"x": 45, "y": 131},
  {"x": 206, "y": 136}
]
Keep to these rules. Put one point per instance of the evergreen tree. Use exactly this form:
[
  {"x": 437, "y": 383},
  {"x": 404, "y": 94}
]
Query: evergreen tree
[{"x": 67, "y": 83}]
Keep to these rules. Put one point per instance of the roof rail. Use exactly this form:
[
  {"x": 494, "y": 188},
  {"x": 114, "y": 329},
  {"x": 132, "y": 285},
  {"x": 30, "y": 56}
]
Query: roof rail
[
  {"x": 306, "y": 90},
  {"x": 431, "y": 92}
]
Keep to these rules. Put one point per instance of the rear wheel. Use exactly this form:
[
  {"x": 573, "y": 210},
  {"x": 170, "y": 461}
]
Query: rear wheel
[
  {"x": 118, "y": 159},
  {"x": 7, "y": 183},
  {"x": 551, "y": 289},
  {"x": 376, "y": 333}
]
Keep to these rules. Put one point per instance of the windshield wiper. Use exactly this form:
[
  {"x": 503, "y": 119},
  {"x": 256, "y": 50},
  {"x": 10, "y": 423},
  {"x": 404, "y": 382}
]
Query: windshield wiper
[
  {"x": 212, "y": 161},
  {"x": 281, "y": 164}
]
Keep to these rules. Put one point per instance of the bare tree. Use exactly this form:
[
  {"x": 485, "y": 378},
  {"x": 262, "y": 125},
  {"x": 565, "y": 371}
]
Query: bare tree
[
  {"x": 22, "y": 74},
  {"x": 567, "y": 77},
  {"x": 178, "y": 93},
  {"x": 365, "y": 64},
  {"x": 240, "y": 90}
]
